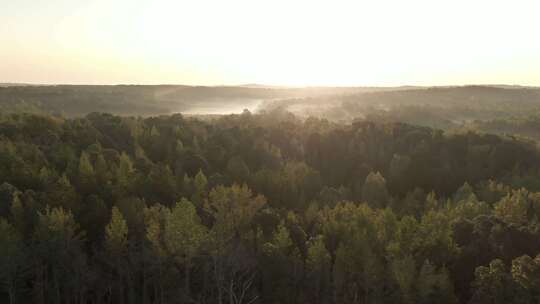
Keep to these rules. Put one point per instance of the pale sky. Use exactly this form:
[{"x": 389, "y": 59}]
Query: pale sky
[{"x": 281, "y": 42}]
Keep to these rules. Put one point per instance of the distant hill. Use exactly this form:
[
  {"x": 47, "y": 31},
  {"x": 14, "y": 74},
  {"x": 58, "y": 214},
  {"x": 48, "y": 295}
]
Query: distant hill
[
  {"x": 8, "y": 84},
  {"x": 440, "y": 107},
  {"x": 77, "y": 100},
  {"x": 336, "y": 103}
]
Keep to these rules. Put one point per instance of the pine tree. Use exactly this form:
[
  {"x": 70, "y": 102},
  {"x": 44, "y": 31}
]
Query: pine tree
[
  {"x": 124, "y": 176},
  {"x": 233, "y": 209},
  {"x": 17, "y": 214},
  {"x": 404, "y": 272},
  {"x": 102, "y": 171},
  {"x": 60, "y": 258},
  {"x": 183, "y": 236},
  {"x": 116, "y": 233},
  {"x": 374, "y": 191},
  {"x": 87, "y": 178},
  {"x": 200, "y": 184},
  {"x": 116, "y": 241}
]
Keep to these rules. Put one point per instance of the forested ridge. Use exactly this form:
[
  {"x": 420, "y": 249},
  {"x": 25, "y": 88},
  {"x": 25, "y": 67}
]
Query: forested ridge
[
  {"x": 264, "y": 208},
  {"x": 436, "y": 107},
  {"x": 146, "y": 100}
]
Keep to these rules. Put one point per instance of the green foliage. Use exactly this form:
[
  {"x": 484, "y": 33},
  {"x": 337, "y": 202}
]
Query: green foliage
[
  {"x": 58, "y": 225},
  {"x": 116, "y": 233},
  {"x": 63, "y": 194},
  {"x": 464, "y": 193},
  {"x": 493, "y": 284},
  {"x": 87, "y": 179},
  {"x": 434, "y": 286},
  {"x": 233, "y": 209},
  {"x": 280, "y": 210},
  {"x": 18, "y": 214},
  {"x": 514, "y": 207},
  {"x": 374, "y": 191},
  {"x": 318, "y": 257},
  {"x": 526, "y": 272},
  {"x": 281, "y": 243},
  {"x": 154, "y": 219},
  {"x": 238, "y": 169},
  {"x": 125, "y": 169},
  {"x": 404, "y": 273},
  {"x": 200, "y": 183},
  {"x": 183, "y": 233}
]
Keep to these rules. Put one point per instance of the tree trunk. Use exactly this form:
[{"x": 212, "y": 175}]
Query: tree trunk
[
  {"x": 187, "y": 270},
  {"x": 130, "y": 288},
  {"x": 11, "y": 294},
  {"x": 218, "y": 283},
  {"x": 57, "y": 288},
  {"x": 143, "y": 283},
  {"x": 160, "y": 284},
  {"x": 120, "y": 283},
  {"x": 332, "y": 281}
]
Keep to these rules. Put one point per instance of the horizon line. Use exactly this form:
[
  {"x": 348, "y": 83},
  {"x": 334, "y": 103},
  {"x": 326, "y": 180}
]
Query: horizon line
[{"x": 272, "y": 86}]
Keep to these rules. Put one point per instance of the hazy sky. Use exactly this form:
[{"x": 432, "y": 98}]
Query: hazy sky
[{"x": 289, "y": 42}]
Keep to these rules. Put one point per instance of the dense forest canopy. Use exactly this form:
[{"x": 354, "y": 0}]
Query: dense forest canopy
[{"x": 408, "y": 198}]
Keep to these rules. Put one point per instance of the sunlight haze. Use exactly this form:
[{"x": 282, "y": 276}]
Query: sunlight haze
[{"x": 336, "y": 43}]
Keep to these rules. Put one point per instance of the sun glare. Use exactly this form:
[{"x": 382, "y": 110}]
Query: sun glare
[{"x": 275, "y": 42}]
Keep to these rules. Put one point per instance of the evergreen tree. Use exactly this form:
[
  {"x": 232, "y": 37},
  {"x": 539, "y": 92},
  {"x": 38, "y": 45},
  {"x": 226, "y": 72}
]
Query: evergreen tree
[
  {"x": 200, "y": 183},
  {"x": 116, "y": 242},
  {"x": 116, "y": 233},
  {"x": 86, "y": 177},
  {"x": 374, "y": 191},
  {"x": 183, "y": 236}
]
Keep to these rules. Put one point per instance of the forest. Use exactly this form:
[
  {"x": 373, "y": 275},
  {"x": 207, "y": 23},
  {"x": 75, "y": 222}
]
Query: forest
[
  {"x": 380, "y": 196},
  {"x": 146, "y": 100}
]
